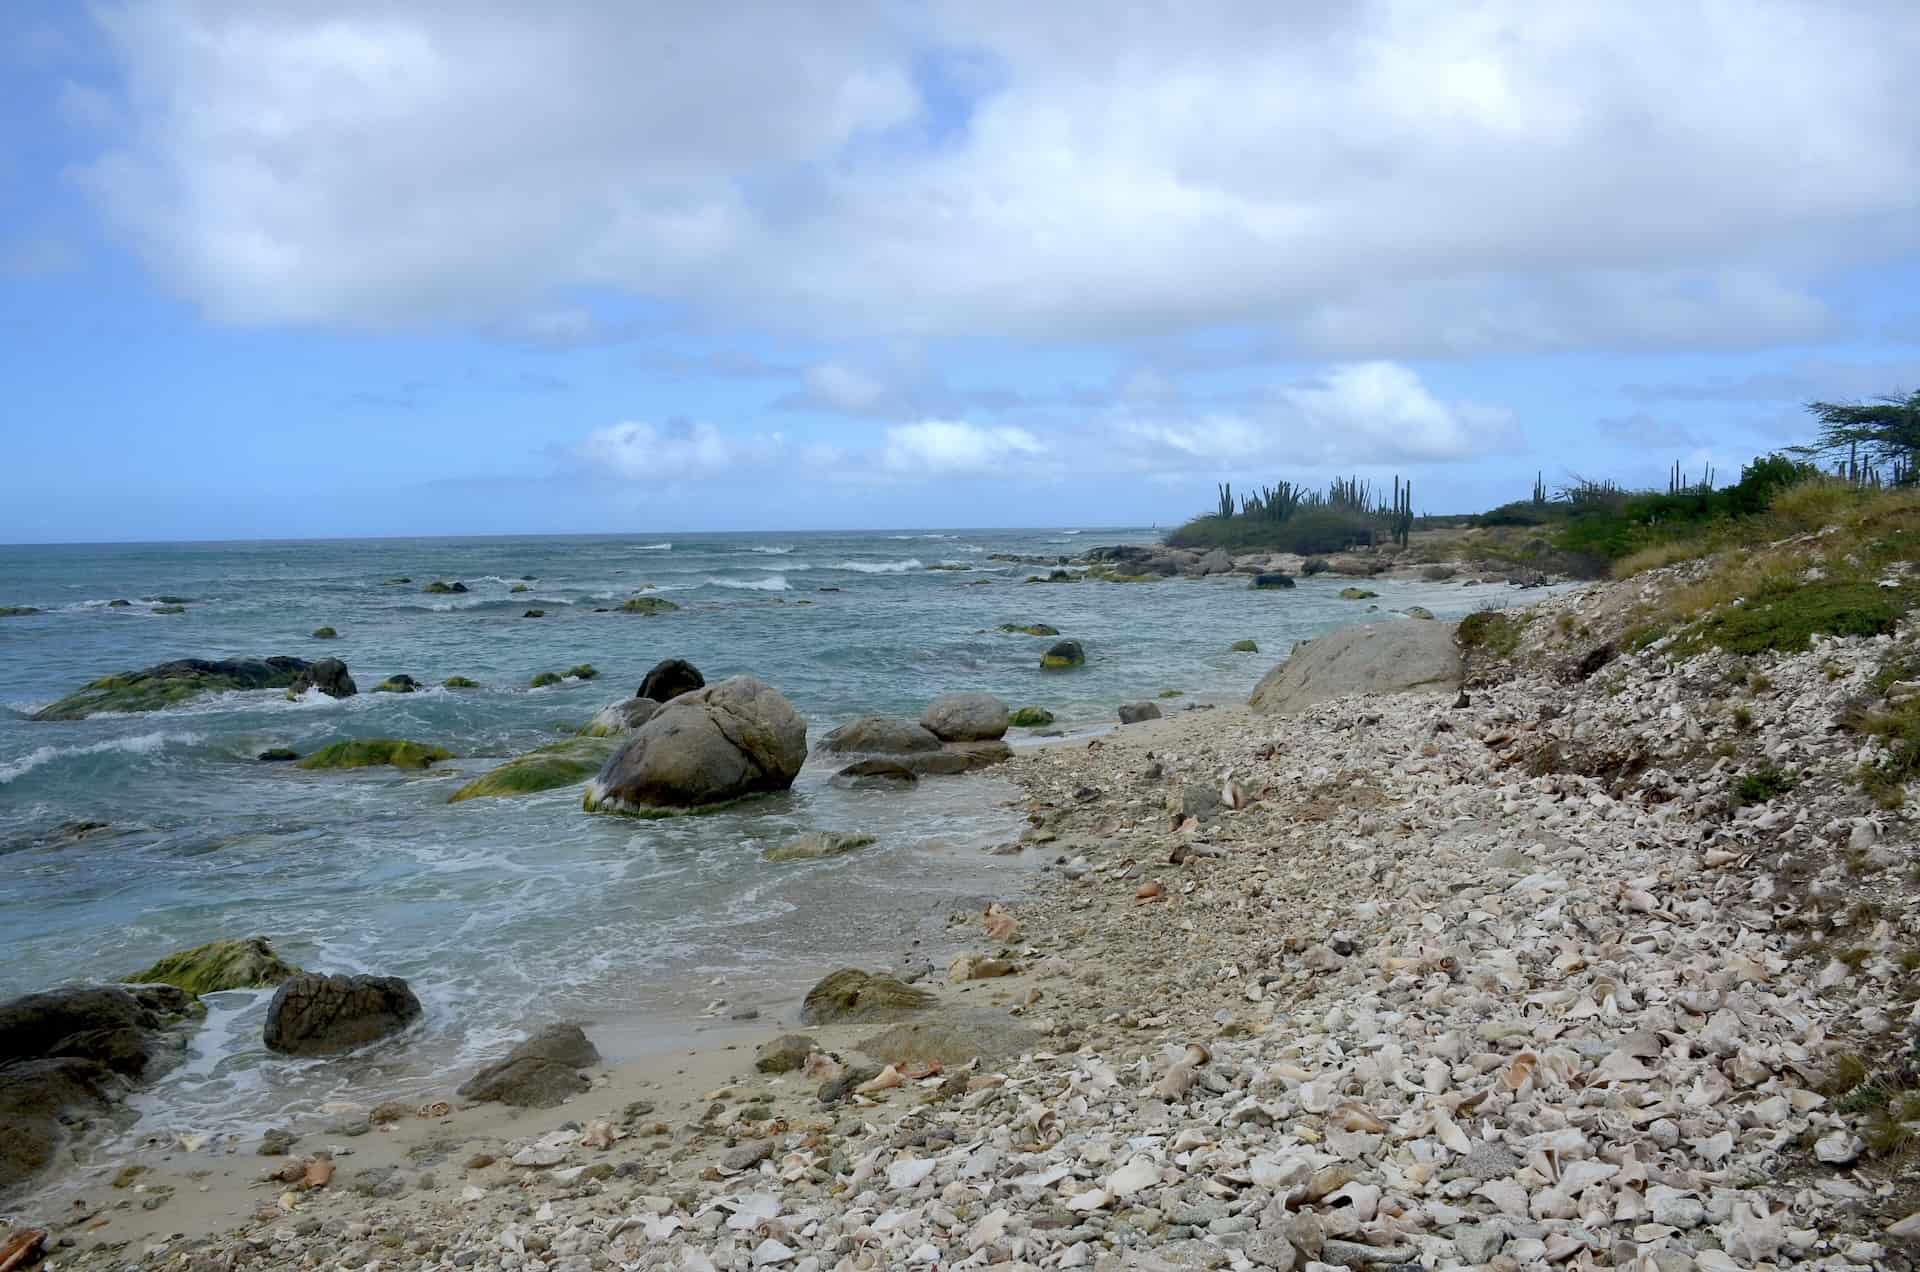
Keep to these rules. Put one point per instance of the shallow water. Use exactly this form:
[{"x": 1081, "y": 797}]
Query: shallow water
[{"x": 507, "y": 913}]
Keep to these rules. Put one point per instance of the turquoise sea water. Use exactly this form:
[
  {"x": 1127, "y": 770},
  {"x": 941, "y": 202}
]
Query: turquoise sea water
[{"x": 507, "y": 913}]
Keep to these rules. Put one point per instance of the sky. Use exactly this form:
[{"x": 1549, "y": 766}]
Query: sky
[{"x": 334, "y": 268}]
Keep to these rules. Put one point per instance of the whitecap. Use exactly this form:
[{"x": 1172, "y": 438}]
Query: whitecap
[
  {"x": 882, "y": 567},
  {"x": 138, "y": 744},
  {"x": 653, "y": 547},
  {"x": 772, "y": 551},
  {"x": 773, "y": 583}
]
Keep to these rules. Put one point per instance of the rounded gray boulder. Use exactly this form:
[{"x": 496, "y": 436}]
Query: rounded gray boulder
[
  {"x": 966, "y": 717},
  {"x": 313, "y": 1015},
  {"x": 879, "y": 735},
  {"x": 720, "y": 743}
]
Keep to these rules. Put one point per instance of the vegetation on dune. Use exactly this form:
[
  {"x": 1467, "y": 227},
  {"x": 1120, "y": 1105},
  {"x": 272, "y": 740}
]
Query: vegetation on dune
[
  {"x": 373, "y": 752},
  {"x": 1494, "y": 632},
  {"x": 1291, "y": 518}
]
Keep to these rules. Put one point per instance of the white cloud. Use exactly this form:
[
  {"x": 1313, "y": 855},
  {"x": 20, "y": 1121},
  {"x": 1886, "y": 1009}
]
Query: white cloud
[
  {"x": 1369, "y": 180},
  {"x": 696, "y": 451},
  {"x": 954, "y": 447},
  {"x": 843, "y": 388}
]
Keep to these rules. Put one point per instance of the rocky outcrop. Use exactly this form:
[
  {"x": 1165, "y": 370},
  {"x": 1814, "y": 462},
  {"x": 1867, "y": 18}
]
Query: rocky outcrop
[
  {"x": 373, "y": 752},
  {"x": 670, "y": 678},
  {"x": 720, "y": 743},
  {"x": 235, "y": 963},
  {"x": 1063, "y": 654},
  {"x": 879, "y": 735},
  {"x": 1135, "y": 712},
  {"x": 854, "y": 996},
  {"x": 544, "y": 768},
  {"x": 620, "y": 718},
  {"x": 313, "y": 1015},
  {"x": 68, "y": 1053},
  {"x": 1392, "y": 657},
  {"x": 169, "y": 684},
  {"x": 966, "y": 717},
  {"x": 329, "y": 676},
  {"x": 540, "y": 1073},
  {"x": 816, "y": 844}
]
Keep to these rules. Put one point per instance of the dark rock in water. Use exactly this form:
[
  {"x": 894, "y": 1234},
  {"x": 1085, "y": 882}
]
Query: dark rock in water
[
  {"x": 441, "y": 588},
  {"x": 535, "y": 613},
  {"x": 122, "y": 603},
  {"x": 459, "y": 682},
  {"x": 620, "y": 717},
  {"x": 669, "y": 679},
  {"x": 1244, "y": 647},
  {"x": 277, "y": 755},
  {"x": 1270, "y": 582},
  {"x": 373, "y": 752},
  {"x": 402, "y": 579},
  {"x": 397, "y": 684},
  {"x": 518, "y": 588},
  {"x": 324, "y": 633},
  {"x": 540, "y": 1073},
  {"x": 545, "y": 678},
  {"x": 966, "y": 717},
  {"x": 1029, "y": 629},
  {"x": 169, "y": 609},
  {"x": 1135, "y": 712},
  {"x": 1062, "y": 654},
  {"x": 236, "y": 963},
  {"x": 853, "y": 995},
  {"x": 1357, "y": 594},
  {"x": 329, "y": 676},
  {"x": 17, "y": 611},
  {"x": 715, "y": 744},
  {"x": 878, "y": 773},
  {"x": 959, "y": 757},
  {"x": 171, "y": 683},
  {"x": 583, "y": 671},
  {"x": 647, "y": 605},
  {"x": 879, "y": 735},
  {"x": 313, "y": 1015},
  {"x": 826, "y": 589},
  {"x": 70, "y": 1052},
  {"x": 783, "y": 1054},
  {"x": 1030, "y": 717},
  {"x": 71, "y": 832}
]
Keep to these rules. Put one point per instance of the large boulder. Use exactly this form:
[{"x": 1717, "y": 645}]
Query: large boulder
[
  {"x": 1063, "y": 654},
  {"x": 720, "y": 743},
  {"x": 966, "y": 717},
  {"x": 313, "y": 1015},
  {"x": 853, "y": 995},
  {"x": 1135, "y": 712},
  {"x": 329, "y": 676},
  {"x": 544, "y": 768},
  {"x": 168, "y": 684},
  {"x": 879, "y": 735},
  {"x": 67, "y": 1053},
  {"x": 669, "y": 679},
  {"x": 1395, "y": 657},
  {"x": 235, "y": 963},
  {"x": 539, "y": 1073},
  {"x": 620, "y": 718}
]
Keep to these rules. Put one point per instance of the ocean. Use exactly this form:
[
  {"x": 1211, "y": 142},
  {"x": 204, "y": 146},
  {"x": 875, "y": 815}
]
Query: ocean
[{"x": 505, "y": 914}]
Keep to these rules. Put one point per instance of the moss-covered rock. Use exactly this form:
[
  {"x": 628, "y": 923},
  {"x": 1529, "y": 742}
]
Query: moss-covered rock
[
  {"x": 459, "y": 682},
  {"x": 1029, "y": 629},
  {"x": 1029, "y": 717},
  {"x": 373, "y": 752},
  {"x": 585, "y": 671},
  {"x": 17, "y": 611},
  {"x": 620, "y": 718},
  {"x": 169, "y": 609},
  {"x": 816, "y": 844},
  {"x": 1357, "y": 594},
  {"x": 1271, "y": 582},
  {"x": 245, "y": 963},
  {"x": 324, "y": 633},
  {"x": 559, "y": 764},
  {"x": 856, "y": 996},
  {"x": 171, "y": 683},
  {"x": 544, "y": 679},
  {"x": 519, "y": 587},
  {"x": 1063, "y": 654},
  {"x": 397, "y": 684},
  {"x": 1244, "y": 647},
  {"x": 277, "y": 755},
  {"x": 647, "y": 605},
  {"x": 440, "y": 587}
]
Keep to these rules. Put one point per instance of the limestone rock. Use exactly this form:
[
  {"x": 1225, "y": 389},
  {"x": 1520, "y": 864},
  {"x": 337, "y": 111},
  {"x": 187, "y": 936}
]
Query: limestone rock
[
  {"x": 313, "y": 1015},
  {"x": 966, "y": 717},
  {"x": 1375, "y": 658},
  {"x": 854, "y": 995},
  {"x": 715, "y": 744}
]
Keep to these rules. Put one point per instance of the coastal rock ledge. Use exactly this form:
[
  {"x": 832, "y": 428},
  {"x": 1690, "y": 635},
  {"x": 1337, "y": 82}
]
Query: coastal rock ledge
[
  {"x": 712, "y": 745},
  {"x": 169, "y": 684}
]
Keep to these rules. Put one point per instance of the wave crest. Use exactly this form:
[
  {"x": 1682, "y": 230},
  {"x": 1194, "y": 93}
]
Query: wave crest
[
  {"x": 882, "y": 567},
  {"x": 138, "y": 744}
]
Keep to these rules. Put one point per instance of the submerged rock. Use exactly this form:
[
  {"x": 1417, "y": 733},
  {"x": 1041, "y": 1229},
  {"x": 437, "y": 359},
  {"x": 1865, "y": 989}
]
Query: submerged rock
[
  {"x": 879, "y": 735},
  {"x": 1244, "y": 647},
  {"x": 169, "y": 684},
  {"x": 1029, "y": 717},
  {"x": 70, "y": 1052},
  {"x": 329, "y": 676},
  {"x": 816, "y": 844},
  {"x": 647, "y": 605},
  {"x": 851, "y": 995},
  {"x": 459, "y": 682},
  {"x": 440, "y": 587},
  {"x": 545, "y": 678},
  {"x": 277, "y": 755},
  {"x": 1063, "y": 654},
  {"x": 715, "y": 744},
  {"x": 670, "y": 678},
  {"x": 1376, "y": 658},
  {"x": 966, "y": 717},
  {"x": 1270, "y": 582},
  {"x": 1357, "y": 594},
  {"x": 314, "y": 1015},
  {"x": 557, "y": 764},
  {"x": 878, "y": 772},
  {"x": 1135, "y": 712},
  {"x": 235, "y": 963},
  {"x": 620, "y": 718},
  {"x": 397, "y": 684},
  {"x": 540, "y": 1073},
  {"x": 324, "y": 633},
  {"x": 1029, "y": 629},
  {"x": 372, "y": 752},
  {"x": 17, "y": 611}
]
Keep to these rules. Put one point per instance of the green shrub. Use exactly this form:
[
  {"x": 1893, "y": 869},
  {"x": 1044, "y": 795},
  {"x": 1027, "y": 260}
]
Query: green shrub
[
  {"x": 1762, "y": 784},
  {"x": 1492, "y": 631},
  {"x": 1785, "y": 615},
  {"x": 1310, "y": 531}
]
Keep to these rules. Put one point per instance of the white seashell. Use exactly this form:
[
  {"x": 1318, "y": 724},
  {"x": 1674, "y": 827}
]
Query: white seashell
[
  {"x": 1137, "y": 1175},
  {"x": 1098, "y": 1199},
  {"x": 903, "y": 1175},
  {"x": 770, "y": 1252}
]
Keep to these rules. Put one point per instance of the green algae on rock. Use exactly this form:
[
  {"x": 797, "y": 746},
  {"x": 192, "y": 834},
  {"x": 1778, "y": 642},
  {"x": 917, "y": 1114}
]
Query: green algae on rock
[
  {"x": 647, "y": 605},
  {"x": 459, "y": 682},
  {"x": 545, "y": 678},
  {"x": 1029, "y": 629},
  {"x": 1063, "y": 654},
  {"x": 324, "y": 633},
  {"x": 235, "y": 963},
  {"x": 556, "y": 764},
  {"x": 169, "y": 684},
  {"x": 397, "y": 684},
  {"x": 816, "y": 844},
  {"x": 585, "y": 671},
  {"x": 1244, "y": 647},
  {"x": 373, "y": 752},
  {"x": 1029, "y": 717}
]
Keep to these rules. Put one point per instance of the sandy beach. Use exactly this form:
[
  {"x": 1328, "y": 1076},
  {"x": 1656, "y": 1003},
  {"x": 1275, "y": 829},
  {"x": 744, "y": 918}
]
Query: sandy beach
[{"x": 1507, "y": 978}]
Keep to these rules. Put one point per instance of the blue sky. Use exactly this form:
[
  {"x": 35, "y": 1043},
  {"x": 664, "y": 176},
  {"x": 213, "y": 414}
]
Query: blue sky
[{"x": 431, "y": 268}]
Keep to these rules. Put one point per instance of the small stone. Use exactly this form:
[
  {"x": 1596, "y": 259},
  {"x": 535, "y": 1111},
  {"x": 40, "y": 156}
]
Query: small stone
[{"x": 1839, "y": 1148}]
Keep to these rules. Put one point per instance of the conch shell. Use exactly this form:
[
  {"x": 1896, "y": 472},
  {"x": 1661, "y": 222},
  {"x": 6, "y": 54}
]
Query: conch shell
[
  {"x": 885, "y": 1080},
  {"x": 601, "y": 1133},
  {"x": 318, "y": 1172},
  {"x": 1148, "y": 892}
]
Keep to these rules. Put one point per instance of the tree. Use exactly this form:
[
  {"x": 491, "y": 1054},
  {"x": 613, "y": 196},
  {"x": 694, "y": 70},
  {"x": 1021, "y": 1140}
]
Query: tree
[{"x": 1884, "y": 431}]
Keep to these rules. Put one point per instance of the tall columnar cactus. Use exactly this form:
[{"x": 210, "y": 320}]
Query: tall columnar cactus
[
  {"x": 1539, "y": 490},
  {"x": 1226, "y": 499},
  {"x": 1402, "y": 519}
]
